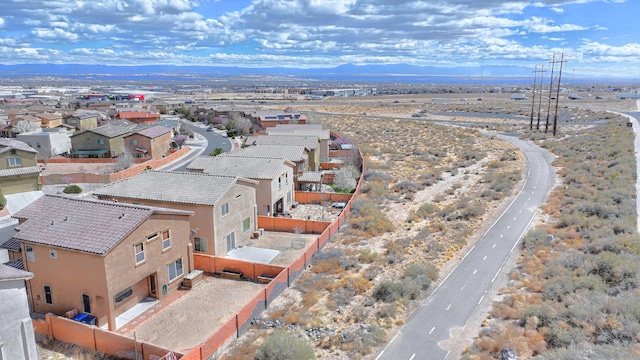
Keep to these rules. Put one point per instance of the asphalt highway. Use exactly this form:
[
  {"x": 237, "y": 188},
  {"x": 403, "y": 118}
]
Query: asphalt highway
[{"x": 455, "y": 300}]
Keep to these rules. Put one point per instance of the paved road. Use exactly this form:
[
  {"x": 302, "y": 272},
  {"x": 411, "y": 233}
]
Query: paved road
[
  {"x": 452, "y": 304},
  {"x": 214, "y": 141}
]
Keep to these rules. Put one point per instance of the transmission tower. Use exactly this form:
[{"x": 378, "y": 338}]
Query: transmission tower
[{"x": 555, "y": 116}]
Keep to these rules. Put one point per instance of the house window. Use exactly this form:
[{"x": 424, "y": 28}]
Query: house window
[
  {"x": 122, "y": 295},
  {"x": 289, "y": 197},
  {"x": 200, "y": 244},
  {"x": 139, "y": 250},
  {"x": 31, "y": 256},
  {"x": 47, "y": 295},
  {"x": 152, "y": 237},
  {"x": 231, "y": 241},
  {"x": 280, "y": 182},
  {"x": 15, "y": 161},
  {"x": 38, "y": 145},
  {"x": 224, "y": 209},
  {"x": 86, "y": 303},
  {"x": 101, "y": 141},
  {"x": 166, "y": 240},
  {"x": 134, "y": 142},
  {"x": 286, "y": 178},
  {"x": 53, "y": 253},
  {"x": 246, "y": 225},
  {"x": 175, "y": 269}
]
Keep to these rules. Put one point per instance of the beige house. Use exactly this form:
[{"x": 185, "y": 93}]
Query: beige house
[
  {"x": 153, "y": 142},
  {"x": 311, "y": 142},
  {"x": 50, "y": 120},
  {"x": 275, "y": 191},
  {"x": 82, "y": 120},
  {"x": 224, "y": 206},
  {"x": 102, "y": 142},
  {"x": 324, "y": 136},
  {"x": 19, "y": 171},
  {"x": 101, "y": 258}
]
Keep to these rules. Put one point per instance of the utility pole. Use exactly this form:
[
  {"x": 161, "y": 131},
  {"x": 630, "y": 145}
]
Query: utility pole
[
  {"x": 533, "y": 96},
  {"x": 542, "y": 71},
  {"x": 555, "y": 117},
  {"x": 553, "y": 62}
]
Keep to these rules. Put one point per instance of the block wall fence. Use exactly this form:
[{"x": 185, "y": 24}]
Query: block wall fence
[{"x": 107, "y": 342}]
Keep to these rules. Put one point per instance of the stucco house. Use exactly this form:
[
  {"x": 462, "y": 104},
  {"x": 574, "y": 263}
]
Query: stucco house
[
  {"x": 275, "y": 191},
  {"x": 100, "y": 257},
  {"x": 17, "y": 339},
  {"x": 224, "y": 206},
  {"x": 50, "y": 120},
  {"x": 19, "y": 171},
  {"x": 312, "y": 142},
  {"x": 324, "y": 136},
  {"x": 102, "y": 142},
  {"x": 82, "y": 119},
  {"x": 139, "y": 117},
  {"x": 153, "y": 142},
  {"x": 47, "y": 143}
]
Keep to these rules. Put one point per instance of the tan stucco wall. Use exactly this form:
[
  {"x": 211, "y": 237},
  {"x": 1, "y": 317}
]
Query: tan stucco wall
[
  {"x": 89, "y": 141},
  {"x": 28, "y": 159},
  {"x": 75, "y": 273}
]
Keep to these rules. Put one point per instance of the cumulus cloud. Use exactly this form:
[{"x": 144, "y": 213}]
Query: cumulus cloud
[{"x": 302, "y": 32}]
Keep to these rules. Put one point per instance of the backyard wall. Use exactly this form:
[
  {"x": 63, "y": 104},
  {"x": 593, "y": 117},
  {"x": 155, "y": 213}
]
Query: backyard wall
[
  {"x": 79, "y": 178},
  {"x": 111, "y": 343}
]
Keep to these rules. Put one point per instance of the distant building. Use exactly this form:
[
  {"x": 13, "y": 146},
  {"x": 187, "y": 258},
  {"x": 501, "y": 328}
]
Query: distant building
[{"x": 519, "y": 97}]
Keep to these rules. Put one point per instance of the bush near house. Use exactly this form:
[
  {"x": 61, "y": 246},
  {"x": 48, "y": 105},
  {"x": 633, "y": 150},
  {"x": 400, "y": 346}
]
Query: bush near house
[
  {"x": 72, "y": 189},
  {"x": 285, "y": 345},
  {"x": 3, "y": 201}
]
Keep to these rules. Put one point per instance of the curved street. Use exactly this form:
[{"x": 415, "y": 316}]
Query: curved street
[{"x": 455, "y": 300}]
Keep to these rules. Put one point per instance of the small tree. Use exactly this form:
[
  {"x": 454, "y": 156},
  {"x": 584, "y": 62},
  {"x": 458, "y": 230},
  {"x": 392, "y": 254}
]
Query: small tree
[
  {"x": 345, "y": 178},
  {"x": 124, "y": 161},
  {"x": 285, "y": 345},
  {"x": 180, "y": 140},
  {"x": 72, "y": 189},
  {"x": 25, "y": 126},
  {"x": 216, "y": 152}
]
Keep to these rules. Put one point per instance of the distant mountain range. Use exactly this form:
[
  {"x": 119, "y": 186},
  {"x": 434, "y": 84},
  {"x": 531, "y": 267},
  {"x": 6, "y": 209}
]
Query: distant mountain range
[{"x": 348, "y": 73}]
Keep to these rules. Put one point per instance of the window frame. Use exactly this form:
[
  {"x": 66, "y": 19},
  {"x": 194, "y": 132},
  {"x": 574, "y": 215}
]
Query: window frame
[
  {"x": 48, "y": 296},
  {"x": 230, "y": 239},
  {"x": 198, "y": 242},
  {"x": 224, "y": 209},
  {"x": 86, "y": 303},
  {"x": 28, "y": 249},
  {"x": 175, "y": 269},
  {"x": 136, "y": 252},
  {"x": 248, "y": 225},
  {"x": 123, "y": 295},
  {"x": 14, "y": 161},
  {"x": 167, "y": 240}
]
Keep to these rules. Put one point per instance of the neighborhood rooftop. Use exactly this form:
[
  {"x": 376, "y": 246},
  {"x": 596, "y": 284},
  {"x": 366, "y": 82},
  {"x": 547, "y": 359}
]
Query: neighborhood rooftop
[
  {"x": 292, "y": 153},
  {"x": 249, "y": 167},
  {"x": 310, "y": 142},
  {"x": 8, "y": 144},
  {"x": 91, "y": 226},
  {"x": 12, "y": 273},
  {"x": 171, "y": 186}
]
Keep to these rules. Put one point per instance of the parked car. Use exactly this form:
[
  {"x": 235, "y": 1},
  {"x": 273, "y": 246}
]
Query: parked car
[
  {"x": 339, "y": 205},
  {"x": 210, "y": 128}
]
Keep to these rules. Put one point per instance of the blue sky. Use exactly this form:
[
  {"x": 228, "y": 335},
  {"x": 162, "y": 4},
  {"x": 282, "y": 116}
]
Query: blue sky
[{"x": 597, "y": 37}]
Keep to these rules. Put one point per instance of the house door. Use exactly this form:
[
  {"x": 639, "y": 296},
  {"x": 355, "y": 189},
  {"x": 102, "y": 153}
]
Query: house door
[
  {"x": 279, "y": 207},
  {"x": 152, "y": 285}
]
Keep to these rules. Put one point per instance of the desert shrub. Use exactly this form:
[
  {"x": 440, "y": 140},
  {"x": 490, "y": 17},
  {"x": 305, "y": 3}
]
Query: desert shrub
[
  {"x": 72, "y": 189},
  {"x": 285, "y": 345},
  {"x": 370, "y": 220},
  {"x": 371, "y": 175},
  {"x": 367, "y": 256},
  {"x": 3, "y": 201},
  {"x": 387, "y": 291},
  {"x": 423, "y": 273}
]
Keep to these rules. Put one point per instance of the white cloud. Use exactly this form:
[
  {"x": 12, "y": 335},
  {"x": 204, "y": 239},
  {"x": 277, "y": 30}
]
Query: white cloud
[{"x": 1, "y": 22}]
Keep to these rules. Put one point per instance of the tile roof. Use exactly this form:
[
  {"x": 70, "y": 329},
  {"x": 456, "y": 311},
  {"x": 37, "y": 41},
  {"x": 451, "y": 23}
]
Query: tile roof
[
  {"x": 20, "y": 171},
  {"x": 200, "y": 163},
  {"x": 172, "y": 186},
  {"x": 11, "y": 244},
  {"x": 153, "y": 131},
  {"x": 110, "y": 131},
  {"x": 300, "y": 129},
  {"x": 91, "y": 226},
  {"x": 309, "y": 141},
  {"x": 310, "y": 176},
  {"x": 292, "y": 153},
  {"x": 248, "y": 167},
  {"x": 17, "y": 263},
  {"x": 7, "y": 144},
  {"x": 13, "y": 273}
]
